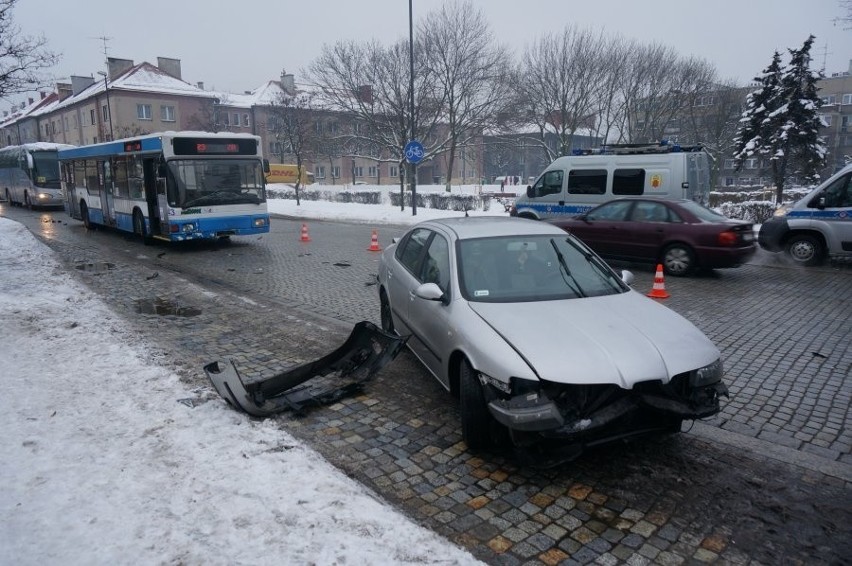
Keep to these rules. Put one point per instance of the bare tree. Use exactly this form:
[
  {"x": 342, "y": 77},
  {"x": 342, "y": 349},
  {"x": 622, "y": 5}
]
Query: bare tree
[
  {"x": 22, "y": 57},
  {"x": 560, "y": 76},
  {"x": 293, "y": 126},
  {"x": 370, "y": 83},
  {"x": 470, "y": 70}
]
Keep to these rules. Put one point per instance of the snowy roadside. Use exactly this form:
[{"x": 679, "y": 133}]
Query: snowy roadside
[{"x": 103, "y": 464}]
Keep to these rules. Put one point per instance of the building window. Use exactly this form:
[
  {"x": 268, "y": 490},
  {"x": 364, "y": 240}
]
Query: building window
[
  {"x": 332, "y": 127},
  {"x": 246, "y": 122},
  {"x": 359, "y": 171},
  {"x": 65, "y": 123},
  {"x": 847, "y": 99},
  {"x": 729, "y": 182},
  {"x": 319, "y": 171},
  {"x": 92, "y": 116},
  {"x": 372, "y": 171},
  {"x": 335, "y": 172},
  {"x": 751, "y": 163},
  {"x": 167, "y": 113},
  {"x": 729, "y": 164},
  {"x": 830, "y": 99},
  {"x": 824, "y": 119},
  {"x": 143, "y": 111},
  {"x": 236, "y": 117},
  {"x": 394, "y": 171}
]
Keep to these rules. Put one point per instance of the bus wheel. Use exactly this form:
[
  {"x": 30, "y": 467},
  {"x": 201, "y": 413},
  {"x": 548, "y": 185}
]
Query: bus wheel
[
  {"x": 84, "y": 212},
  {"x": 139, "y": 226}
]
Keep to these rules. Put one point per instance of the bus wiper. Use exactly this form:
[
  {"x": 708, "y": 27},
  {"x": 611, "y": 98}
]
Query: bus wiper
[{"x": 564, "y": 267}]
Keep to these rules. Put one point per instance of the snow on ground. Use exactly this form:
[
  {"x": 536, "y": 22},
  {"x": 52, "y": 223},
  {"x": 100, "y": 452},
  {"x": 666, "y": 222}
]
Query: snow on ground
[{"x": 104, "y": 464}]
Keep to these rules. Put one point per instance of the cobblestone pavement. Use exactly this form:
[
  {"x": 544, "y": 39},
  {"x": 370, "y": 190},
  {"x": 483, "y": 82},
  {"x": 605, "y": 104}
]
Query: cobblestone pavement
[{"x": 767, "y": 481}]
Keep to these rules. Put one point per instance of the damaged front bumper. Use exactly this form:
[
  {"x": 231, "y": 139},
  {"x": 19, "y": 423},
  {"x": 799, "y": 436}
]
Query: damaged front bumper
[
  {"x": 365, "y": 352},
  {"x": 566, "y": 411}
]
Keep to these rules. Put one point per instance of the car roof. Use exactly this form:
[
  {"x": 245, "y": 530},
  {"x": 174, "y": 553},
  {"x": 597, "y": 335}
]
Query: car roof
[{"x": 489, "y": 226}]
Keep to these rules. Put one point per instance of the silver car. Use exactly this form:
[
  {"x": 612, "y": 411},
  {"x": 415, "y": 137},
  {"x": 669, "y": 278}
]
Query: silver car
[{"x": 539, "y": 338}]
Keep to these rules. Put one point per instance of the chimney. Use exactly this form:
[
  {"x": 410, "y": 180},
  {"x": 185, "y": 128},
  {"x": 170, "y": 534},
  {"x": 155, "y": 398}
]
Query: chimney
[
  {"x": 117, "y": 66},
  {"x": 43, "y": 94},
  {"x": 79, "y": 84},
  {"x": 288, "y": 82},
  {"x": 201, "y": 85},
  {"x": 169, "y": 66},
  {"x": 64, "y": 90}
]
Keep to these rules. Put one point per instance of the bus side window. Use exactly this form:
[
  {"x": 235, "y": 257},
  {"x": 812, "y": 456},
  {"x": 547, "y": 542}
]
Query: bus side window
[{"x": 122, "y": 186}]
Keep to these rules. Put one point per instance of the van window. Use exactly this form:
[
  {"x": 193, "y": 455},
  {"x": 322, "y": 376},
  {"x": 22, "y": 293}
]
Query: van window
[
  {"x": 837, "y": 195},
  {"x": 549, "y": 184},
  {"x": 587, "y": 182},
  {"x": 628, "y": 182}
]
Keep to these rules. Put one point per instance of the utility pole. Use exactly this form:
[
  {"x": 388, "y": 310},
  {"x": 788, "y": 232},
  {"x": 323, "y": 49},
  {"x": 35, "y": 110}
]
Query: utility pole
[{"x": 413, "y": 166}]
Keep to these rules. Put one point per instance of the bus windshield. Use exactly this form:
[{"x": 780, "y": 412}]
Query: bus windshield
[
  {"x": 45, "y": 169},
  {"x": 208, "y": 182}
]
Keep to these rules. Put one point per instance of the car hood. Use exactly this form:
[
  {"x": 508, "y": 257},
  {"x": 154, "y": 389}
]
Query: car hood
[{"x": 619, "y": 339}]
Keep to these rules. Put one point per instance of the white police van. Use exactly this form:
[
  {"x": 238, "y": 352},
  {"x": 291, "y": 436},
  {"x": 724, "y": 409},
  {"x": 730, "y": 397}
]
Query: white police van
[
  {"x": 573, "y": 184},
  {"x": 817, "y": 226}
]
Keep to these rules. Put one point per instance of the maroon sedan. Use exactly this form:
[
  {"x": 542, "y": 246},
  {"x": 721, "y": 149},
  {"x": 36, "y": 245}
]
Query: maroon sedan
[{"x": 680, "y": 234}]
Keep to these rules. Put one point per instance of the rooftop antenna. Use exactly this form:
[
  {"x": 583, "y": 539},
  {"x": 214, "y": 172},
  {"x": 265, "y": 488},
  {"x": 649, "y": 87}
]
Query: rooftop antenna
[
  {"x": 105, "y": 75},
  {"x": 825, "y": 54}
]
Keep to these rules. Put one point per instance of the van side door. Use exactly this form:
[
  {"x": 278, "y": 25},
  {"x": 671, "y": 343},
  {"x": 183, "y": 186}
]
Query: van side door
[{"x": 831, "y": 213}]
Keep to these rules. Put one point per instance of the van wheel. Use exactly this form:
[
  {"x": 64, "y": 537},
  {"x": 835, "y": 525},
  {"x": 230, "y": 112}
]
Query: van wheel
[
  {"x": 475, "y": 418},
  {"x": 678, "y": 260},
  {"x": 139, "y": 227},
  {"x": 805, "y": 249},
  {"x": 84, "y": 212},
  {"x": 27, "y": 203}
]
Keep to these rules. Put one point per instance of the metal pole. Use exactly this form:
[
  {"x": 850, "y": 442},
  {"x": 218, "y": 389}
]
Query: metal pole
[
  {"x": 411, "y": 105},
  {"x": 109, "y": 109}
]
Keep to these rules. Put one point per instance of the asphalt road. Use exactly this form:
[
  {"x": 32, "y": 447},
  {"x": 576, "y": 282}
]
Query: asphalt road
[{"x": 767, "y": 480}]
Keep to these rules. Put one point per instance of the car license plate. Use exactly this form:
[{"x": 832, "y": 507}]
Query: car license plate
[{"x": 748, "y": 236}]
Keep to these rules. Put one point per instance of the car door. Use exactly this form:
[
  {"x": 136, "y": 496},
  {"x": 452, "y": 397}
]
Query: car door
[
  {"x": 604, "y": 229},
  {"x": 832, "y": 214},
  {"x": 402, "y": 279},
  {"x": 649, "y": 225},
  {"x": 428, "y": 319}
]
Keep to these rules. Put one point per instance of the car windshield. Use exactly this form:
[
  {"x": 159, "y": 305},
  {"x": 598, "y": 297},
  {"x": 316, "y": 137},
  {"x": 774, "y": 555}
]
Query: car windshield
[
  {"x": 702, "y": 212},
  {"x": 207, "y": 182},
  {"x": 532, "y": 268}
]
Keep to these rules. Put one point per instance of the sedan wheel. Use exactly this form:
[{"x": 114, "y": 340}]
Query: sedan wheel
[
  {"x": 805, "y": 250},
  {"x": 475, "y": 418},
  {"x": 678, "y": 260},
  {"x": 387, "y": 320}
]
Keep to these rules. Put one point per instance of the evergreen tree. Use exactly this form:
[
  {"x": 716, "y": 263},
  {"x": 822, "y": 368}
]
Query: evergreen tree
[{"x": 781, "y": 122}]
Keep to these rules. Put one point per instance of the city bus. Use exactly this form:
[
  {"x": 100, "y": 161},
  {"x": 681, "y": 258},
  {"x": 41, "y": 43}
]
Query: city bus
[
  {"x": 29, "y": 174},
  {"x": 170, "y": 186}
]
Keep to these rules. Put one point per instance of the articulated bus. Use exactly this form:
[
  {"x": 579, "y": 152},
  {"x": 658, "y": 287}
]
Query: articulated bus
[
  {"x": 170, "y": 186},
  {"x": 29, "y": 174}
]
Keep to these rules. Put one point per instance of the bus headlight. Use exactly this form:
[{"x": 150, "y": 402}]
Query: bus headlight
[
  {"x": 260, "y": 222},
  {"x": 189, "y": 227}
]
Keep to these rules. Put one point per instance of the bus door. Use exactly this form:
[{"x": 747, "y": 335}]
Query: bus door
[
  {"x": 107, "y": 198},
  {"x": 149, "y": 167}
]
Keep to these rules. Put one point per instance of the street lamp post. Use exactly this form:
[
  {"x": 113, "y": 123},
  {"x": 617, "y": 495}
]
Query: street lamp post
[
  {"x": 109, "y": 110},
  {"x": 413, "y": 166}
]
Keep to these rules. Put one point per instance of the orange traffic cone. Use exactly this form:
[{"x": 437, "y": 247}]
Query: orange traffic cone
[
  {"x": 374, "y": 242},
  {"x": 304, "y": 237},
  {"x": 659, "y": 289}
]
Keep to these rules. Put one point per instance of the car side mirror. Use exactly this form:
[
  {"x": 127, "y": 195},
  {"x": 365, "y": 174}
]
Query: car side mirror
[
  {"x": 821, "y": 202},
  {"x": 530, "y": 192},
  {"x": 627, "y": 277},
  {"x": 429, "y": 292}
]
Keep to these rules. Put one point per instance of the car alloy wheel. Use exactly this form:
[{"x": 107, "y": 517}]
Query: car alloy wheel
[{"x": 678, "y": 260}]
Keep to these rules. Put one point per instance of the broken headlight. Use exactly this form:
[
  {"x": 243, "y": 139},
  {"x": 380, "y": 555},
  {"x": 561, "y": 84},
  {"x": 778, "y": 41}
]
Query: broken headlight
[{"x": 707, "y": 375}]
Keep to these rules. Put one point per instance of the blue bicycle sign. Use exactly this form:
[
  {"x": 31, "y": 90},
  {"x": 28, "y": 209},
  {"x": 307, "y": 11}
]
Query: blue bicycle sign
[{"x": 414, "y": 151}]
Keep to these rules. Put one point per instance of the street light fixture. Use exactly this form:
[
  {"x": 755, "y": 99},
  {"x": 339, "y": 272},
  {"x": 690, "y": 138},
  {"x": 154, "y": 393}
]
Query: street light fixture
[{"x": 109, "y": 110}]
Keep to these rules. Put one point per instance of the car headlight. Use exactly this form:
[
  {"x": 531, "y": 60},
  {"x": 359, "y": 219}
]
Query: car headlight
[
  {"x": 781, "y": 212},
  {"x": 707, "y": 375},
  {"x": 43, "y": 196}
]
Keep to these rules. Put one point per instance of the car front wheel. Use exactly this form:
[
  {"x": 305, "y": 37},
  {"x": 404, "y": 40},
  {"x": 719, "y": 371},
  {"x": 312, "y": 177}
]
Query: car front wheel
[
  {"x": 387, "y": 320},
  {"x": 475, "y": 418},
  {"x": 805, "y": 249},
  {"x": 678, "y": 260}
]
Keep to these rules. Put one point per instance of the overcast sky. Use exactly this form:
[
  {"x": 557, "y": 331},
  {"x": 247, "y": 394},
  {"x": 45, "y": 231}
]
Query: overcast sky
[{"x": 237, "y": 46}]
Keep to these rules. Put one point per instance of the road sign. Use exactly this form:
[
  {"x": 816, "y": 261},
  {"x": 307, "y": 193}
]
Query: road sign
[{"x": 414, "y": 151}]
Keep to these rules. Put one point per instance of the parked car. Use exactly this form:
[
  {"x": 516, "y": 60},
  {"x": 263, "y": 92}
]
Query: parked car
[
  {"x": 680, "y": 234},
  {"x": 539, "y": 338}
]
